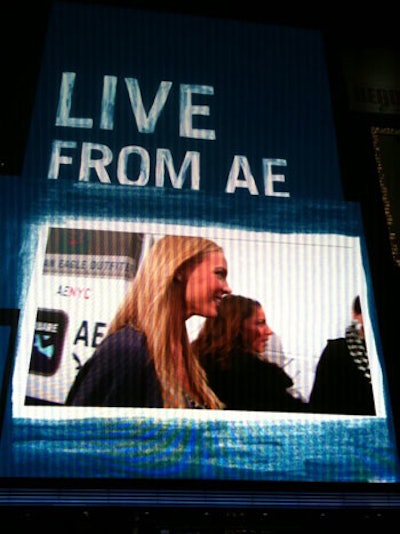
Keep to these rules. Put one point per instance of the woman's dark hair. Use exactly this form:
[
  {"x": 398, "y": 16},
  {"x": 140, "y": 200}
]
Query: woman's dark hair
[
  {"x": 357, "y": 305},
  {"x": 222, "y": 335}
]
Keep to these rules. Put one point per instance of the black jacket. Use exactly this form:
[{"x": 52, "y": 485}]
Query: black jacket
[
  {"x": 252, "y": 384},
  {"x": 118, "y": 374},
  {"x": 339, "y": 386}
]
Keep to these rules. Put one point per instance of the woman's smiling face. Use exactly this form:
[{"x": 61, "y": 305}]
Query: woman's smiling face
[
  {"x": 256, "y": 331},
  {"x": 206, "y": 284}
]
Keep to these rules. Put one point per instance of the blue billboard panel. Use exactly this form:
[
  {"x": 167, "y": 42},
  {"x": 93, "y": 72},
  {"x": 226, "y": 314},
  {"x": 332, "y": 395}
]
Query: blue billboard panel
[{"x": 151, "y": 128}]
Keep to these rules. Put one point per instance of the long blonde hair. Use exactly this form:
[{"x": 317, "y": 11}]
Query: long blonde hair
[{"x": 155, "y": 305}]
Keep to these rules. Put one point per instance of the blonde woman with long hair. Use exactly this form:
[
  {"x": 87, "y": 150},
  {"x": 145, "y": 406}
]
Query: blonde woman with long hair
[{"x": 146, "y": 360}]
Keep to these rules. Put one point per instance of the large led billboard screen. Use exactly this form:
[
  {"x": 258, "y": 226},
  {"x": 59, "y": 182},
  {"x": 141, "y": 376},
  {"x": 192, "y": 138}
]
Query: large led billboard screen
[{"x": 152, "y": 128}]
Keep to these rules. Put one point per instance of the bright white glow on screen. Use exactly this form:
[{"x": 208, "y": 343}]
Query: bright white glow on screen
[{"x": 305, "y": 282}]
